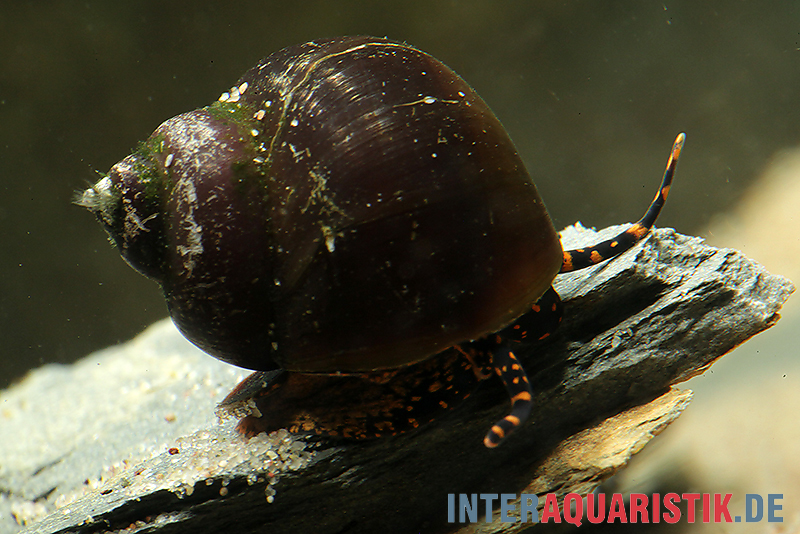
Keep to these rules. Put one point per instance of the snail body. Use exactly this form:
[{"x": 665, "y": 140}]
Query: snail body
[{"x": 349, "y": 206}]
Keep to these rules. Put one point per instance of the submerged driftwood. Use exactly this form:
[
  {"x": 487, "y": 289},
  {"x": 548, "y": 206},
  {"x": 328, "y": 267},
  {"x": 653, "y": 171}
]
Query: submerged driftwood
[{"x": 632, "y": 328}]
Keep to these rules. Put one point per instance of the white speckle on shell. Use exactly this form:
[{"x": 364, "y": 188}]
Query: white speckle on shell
[
  {"x": 259, "y": 114},
  {"x": 224, "y": 97},
  {"x": 104, "y": 184},
  {"x": 294, "y": 122},
  {"x": 297, "y": 154},
  {"x": 187, "y": 203},
  {"x": 254, "y": 132},
  {"x": 168, "y": 160},
  {"x": 429, "y": 99},
  {"x": 103, "y": 198},
  {"x": 243, "y": 87}
]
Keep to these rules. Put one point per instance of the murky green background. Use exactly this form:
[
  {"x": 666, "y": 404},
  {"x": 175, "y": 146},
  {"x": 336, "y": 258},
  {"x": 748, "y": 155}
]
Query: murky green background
[{"x": 593, "y": 94}]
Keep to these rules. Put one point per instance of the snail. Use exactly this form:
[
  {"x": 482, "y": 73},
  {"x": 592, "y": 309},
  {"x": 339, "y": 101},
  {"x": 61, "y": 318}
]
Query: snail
[{"x": 350, "y": 218}]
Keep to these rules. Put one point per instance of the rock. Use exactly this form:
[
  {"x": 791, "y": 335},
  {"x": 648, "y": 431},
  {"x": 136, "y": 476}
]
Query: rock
[{"x": 127, "y": 439}]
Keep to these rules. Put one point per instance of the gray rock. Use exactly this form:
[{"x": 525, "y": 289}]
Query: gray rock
[{"x": 127, "y": 439}]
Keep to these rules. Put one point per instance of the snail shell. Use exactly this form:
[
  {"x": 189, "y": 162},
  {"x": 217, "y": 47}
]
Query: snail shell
[{"x": 349, "y": 205}]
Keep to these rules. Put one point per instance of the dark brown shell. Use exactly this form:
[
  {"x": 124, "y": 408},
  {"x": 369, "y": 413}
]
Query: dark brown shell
[{"x": 349, "y": 205}]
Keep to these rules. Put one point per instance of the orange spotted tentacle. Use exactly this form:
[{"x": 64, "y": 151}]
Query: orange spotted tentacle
[
  {"x": 586, "y": 257},
  {"x": 519, "y": 389},
  {"x": 538, "y": 323}
]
